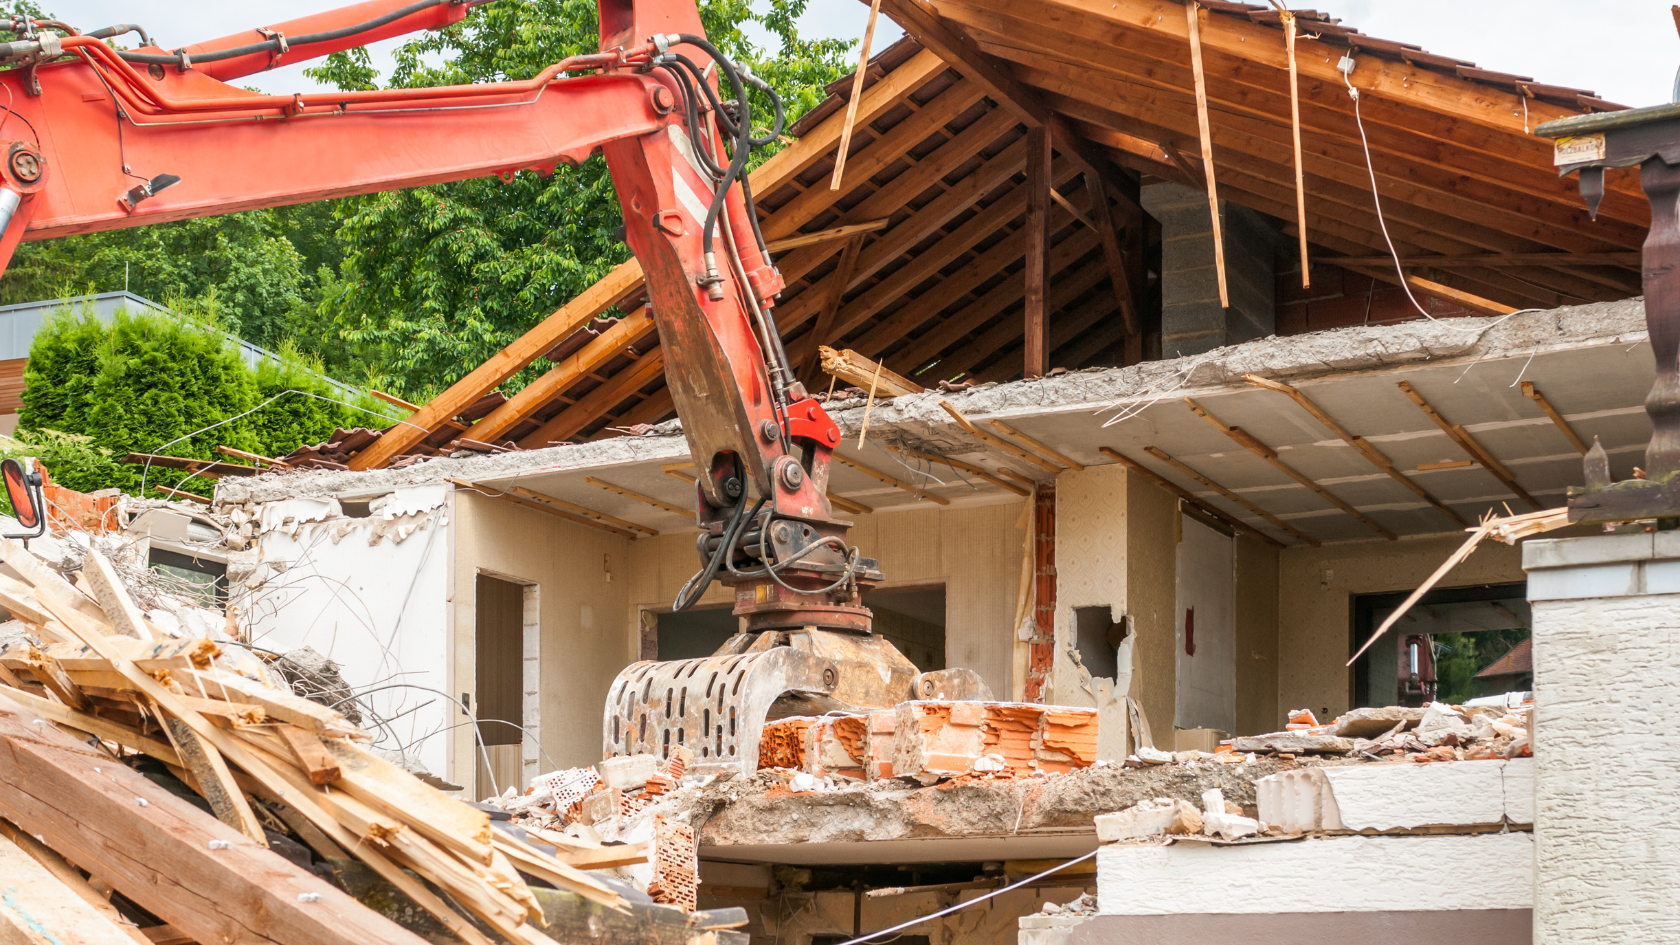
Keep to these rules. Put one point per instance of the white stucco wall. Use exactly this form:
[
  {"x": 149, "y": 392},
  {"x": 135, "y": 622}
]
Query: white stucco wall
[
  {"x": 372, "y": 594},
  {"x": 1607, "y": 731},
  {"x": 1335, "y": 874}
]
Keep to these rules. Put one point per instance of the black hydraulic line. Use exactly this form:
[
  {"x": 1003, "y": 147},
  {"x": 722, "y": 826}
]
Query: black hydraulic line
[
  {"x": 273, "y": 45},
  {"x": 120, "y": 29}
]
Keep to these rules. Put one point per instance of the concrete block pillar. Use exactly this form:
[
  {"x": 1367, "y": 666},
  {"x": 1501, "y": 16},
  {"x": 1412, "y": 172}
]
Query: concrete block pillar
[
  {"x": 1191, "y": 319},
  {"x": 1607, "y": 733}
]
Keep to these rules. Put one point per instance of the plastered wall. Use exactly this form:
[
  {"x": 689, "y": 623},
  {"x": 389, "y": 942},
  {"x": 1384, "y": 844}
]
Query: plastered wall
[
  {"x": 974, "y": 551},
  {"x": 1091, "y": 557},
  {"x": 1315, "y": 590},
  {"x": 582, "y": 612},
  {"x": 1257, "y": 635},
  {"x": 367, "y": 593},
  {"x": 1152, "y": 599}
]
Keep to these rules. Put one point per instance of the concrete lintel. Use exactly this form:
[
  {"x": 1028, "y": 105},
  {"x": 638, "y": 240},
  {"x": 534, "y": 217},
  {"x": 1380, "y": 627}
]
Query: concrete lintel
[{"x": 1603, "y": 566}]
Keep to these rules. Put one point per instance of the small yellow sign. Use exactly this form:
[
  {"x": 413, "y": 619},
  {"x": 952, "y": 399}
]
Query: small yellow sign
[{"x": 1577, "y": 149}]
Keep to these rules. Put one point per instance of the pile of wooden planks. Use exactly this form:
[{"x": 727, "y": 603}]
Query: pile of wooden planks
[{"x": 99, "y": 690}]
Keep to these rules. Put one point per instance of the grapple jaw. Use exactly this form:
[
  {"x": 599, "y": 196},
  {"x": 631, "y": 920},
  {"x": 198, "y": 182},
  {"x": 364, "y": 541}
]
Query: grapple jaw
[{"x": 716, "y": 706}]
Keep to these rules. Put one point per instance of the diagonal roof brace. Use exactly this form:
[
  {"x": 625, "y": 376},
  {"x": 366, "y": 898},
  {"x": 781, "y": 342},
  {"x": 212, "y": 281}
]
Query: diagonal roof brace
[
  {"x": 1371, "y": 453},
  {"x": 1270, "y": 455}
]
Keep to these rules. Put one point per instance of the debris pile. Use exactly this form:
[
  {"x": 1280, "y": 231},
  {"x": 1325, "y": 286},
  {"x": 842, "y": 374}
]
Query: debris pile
[
  {"x": 1436, "y": 732},
  {"x": 933, "y": 741},
  {"x": 124, "y": 732}
]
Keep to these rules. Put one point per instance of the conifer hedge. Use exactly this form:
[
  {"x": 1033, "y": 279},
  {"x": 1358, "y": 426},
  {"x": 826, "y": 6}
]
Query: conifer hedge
[{"x": 145, "y": 380}]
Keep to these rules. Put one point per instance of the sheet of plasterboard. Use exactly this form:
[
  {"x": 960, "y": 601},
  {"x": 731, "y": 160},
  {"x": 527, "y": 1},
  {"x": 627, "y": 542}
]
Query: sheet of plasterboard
[{"x": 1206, "y": 629}]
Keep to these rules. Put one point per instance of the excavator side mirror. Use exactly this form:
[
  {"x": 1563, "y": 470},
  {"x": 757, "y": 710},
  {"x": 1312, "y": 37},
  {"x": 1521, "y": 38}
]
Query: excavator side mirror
[{"x": 23, "y": 488}]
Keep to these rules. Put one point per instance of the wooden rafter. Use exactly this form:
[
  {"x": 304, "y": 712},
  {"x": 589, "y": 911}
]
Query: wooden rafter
[
  {"x": 1249, "y": 442},
  {"x": 1394, "y": 94},
  {"x": 1364, "y": 447},
  {"x": 993, "y": 439},
  {"x": 1558, "y": 419},
  {"x": 559, "y": 509},
  {"x": 1468, "y": 443},
  {"x": 888, "y": 332},
  {"x": 1172, "y": 461},
  {"x": 629, "y": 493},
  {"x": 919, "y": 19}
]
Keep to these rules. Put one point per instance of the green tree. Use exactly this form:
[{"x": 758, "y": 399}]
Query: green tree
[
  {"x": 149, "y": 383},
  {"x": 437, "y": 279},
  {"x": 261, "y": 271}
]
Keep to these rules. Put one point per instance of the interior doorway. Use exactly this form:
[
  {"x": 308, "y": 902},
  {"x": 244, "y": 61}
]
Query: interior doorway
[
  {"x": 503, "y": 616},
  {"x": 1455, "y": 644}
]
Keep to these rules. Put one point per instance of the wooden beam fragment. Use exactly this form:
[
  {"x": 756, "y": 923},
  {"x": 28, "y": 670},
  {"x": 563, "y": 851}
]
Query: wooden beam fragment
[
  {"x": 1185, "y": 494},
  {"x": 1270, "y": 455},
  {"x": 1164, "y": 457},
  {"x": 158, "y": 854},
  {"x": 1192, "y": 10},
  {"x": 178, "y": 494},
  {"x": 1468, "y": 443},
  {"x": 1373, "y": 455},
  {"x": 1469, "y": 300},
  {"x": 859, "y": 371},
  {"x": 41, "y": 907},
  {"x": 1036, "y": 236},
  {"x": 119, "y": 608},
  {"x": 826, "y": 236},
  {"x": 633, "y": 494},
  {"x": 311, "y": 754},
  {"x": 544, "y": 504},
  {"x": 253, "y": 457},
  {"x": 72, "y": 879},
  {"x": 999, "y": 442},
  {"x": 1043, "y": 450},
  {"x": 212, "y": 779},
  {"x": 394, "y": 400},
  {"x": 857, "y": 93},
  {"x": 1558, "y": 419},
  {"x": 1295, "y": 132},
  {"x": 1496, "y": 260},
  {"x": 917, "y": 491},
  {"x": 198, "y": 467}
]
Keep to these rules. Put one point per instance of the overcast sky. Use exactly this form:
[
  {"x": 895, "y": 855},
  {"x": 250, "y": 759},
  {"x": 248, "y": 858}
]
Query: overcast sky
[{"x": 1626, "y": 50}]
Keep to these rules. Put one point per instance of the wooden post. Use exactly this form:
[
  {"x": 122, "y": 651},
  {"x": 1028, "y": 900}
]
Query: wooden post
[
  {"x": 857, "y": 93},
  {"x": 1192, "y": 10},
  {"x": 1036, "y": 233},
  {"x": 1295, "y": 128}
]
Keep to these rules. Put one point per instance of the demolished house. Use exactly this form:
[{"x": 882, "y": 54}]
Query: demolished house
[{"x": 1155, "y": 477}]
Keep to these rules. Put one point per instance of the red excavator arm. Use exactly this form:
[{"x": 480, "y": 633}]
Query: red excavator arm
[{"x": 97, "y": 139}]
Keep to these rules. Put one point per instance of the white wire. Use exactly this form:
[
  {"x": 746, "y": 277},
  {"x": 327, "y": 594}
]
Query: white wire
[
  {"x": 1376, "y": 199},
  {"x": 964, "y": 905},
  {"x": 148, "y": 467}
]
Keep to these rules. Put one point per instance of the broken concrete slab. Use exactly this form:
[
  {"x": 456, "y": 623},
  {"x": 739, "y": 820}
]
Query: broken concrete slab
[
  {"x": 1371, "y": 722},
  {"x": 1291, "y": 743},
  {"x": 1151, "y": 818},
  {"x": 1402, "y": 795},
  {"x": 1298, "y": 801}
]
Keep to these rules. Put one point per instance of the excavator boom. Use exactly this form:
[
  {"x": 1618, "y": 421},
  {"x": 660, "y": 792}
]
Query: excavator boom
[{"x": 97, "y": 138}]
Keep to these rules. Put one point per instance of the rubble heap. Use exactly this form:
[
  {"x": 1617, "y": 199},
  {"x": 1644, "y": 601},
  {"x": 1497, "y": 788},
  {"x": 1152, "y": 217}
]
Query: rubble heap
[{"x": 162, "y": 760}]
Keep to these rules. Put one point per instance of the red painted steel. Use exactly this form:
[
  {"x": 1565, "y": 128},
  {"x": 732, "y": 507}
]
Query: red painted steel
[{"x": 101, "y": 127}]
